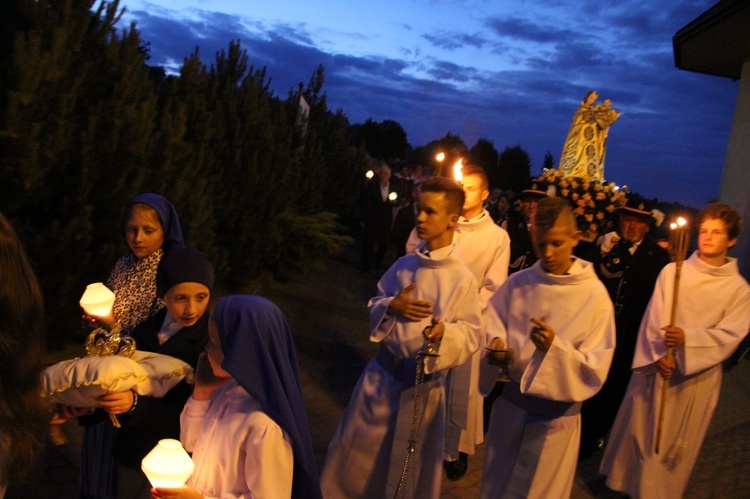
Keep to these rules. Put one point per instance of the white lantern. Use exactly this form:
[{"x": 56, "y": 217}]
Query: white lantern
[
  {"x": 167, "y": 465},
  {"x": 97, "y": 300}
]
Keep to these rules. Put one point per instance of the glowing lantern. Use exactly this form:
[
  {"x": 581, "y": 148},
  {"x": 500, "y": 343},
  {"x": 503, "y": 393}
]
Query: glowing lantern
[
  {"x": 167, "y": 465},
  {"x": 97, "y": 300}
]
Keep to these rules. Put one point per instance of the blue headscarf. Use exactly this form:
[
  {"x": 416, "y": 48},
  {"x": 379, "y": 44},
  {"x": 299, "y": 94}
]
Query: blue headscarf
[
  {"x": 259, "y": 353},
  {"x": 170, "y": 222}
]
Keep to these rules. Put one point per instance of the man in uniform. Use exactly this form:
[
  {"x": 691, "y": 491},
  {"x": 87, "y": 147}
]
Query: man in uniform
[{"x": 628, "y": 262}]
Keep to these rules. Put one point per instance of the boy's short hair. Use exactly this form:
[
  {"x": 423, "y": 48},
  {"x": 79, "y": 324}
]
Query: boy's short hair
[
  {"x": 476, "y": 170},
  {"x": 454, "y": 193},
  {"x": 549, "y": 210},
  {"x": 724, "y": 212}
]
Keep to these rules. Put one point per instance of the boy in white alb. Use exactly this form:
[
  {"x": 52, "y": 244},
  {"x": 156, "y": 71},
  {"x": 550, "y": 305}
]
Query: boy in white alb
[
  {"x": 712, "y": 318},
  {"x": 429, "y": 295},
  {"x": 485, "y": 249},
  {"x": 557, "y": 318}
]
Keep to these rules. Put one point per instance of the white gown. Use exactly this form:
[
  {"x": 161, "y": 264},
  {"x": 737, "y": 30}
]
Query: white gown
[
  {"x": 714, "y": 311},
  {"x": 366, "y": 455},
  {"x": 239, "y": 452},
  {"x": 485, "y": 248},
  {"x": 534, "y": 431}
]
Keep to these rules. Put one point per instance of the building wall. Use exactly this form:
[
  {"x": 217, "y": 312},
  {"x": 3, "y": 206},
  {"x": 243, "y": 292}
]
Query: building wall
[{"x": 735, "y": 180}]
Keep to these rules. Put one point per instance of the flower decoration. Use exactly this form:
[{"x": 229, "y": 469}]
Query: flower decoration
[{"x": 594, "y": 203}]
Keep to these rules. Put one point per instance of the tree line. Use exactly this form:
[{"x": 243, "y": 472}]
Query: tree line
[{"x": 86, "y": 124}]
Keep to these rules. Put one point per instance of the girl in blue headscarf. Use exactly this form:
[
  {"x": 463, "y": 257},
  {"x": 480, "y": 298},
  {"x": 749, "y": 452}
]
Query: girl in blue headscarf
[
  {"x": 245, "y": 422},
  {"x": 151, "y": 229}
]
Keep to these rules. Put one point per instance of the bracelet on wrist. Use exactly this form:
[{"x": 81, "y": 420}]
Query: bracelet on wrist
[{"x": 135, "y": 403}]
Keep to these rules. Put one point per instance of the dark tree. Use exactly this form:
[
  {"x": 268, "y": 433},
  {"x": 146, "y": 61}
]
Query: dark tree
[
  {"x": 514, "y": 166},
  {"x": 549, "y": 162},
  {"x": 86, "y": 124},
  {"x": 385, "y": 140},
  {"x": 485, "y": 155}
]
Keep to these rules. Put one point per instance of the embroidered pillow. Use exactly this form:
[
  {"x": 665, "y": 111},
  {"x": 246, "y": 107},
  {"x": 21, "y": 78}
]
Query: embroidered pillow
[{"x": 79, "y": 382}]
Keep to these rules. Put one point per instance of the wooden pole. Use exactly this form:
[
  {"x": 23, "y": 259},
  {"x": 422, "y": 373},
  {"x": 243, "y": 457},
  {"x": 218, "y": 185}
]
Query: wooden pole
[{"x": 680, "y": 239}]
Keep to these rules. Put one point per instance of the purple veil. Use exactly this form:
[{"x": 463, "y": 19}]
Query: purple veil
[
  {"x": 259, "y": 353},
  {"x": 170, "y": 221}
]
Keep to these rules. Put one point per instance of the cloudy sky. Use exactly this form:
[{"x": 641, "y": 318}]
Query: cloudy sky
[{"x": 511, "y": 71}]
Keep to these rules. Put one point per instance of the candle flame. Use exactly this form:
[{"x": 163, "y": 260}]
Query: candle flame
[
  {"x": 392, "y": 196},
  {"x": 369, "y": 174},
  {"x": 673, "y": 226},
  {"x": 457, "y": 170},
  {"x": 440, "y": 156},
  {"x": 681, "y": 222}
]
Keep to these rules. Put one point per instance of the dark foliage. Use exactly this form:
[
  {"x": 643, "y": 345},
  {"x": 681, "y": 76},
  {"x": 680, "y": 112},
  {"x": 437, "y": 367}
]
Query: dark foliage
[{"x": 86, "y": 124}]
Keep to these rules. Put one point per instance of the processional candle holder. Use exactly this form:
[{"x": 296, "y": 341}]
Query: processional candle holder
[{"x": 679, "y": 239}]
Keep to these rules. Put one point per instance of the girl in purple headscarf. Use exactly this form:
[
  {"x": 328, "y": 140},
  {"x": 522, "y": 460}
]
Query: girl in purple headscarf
[{"x": 245, "y": 422}]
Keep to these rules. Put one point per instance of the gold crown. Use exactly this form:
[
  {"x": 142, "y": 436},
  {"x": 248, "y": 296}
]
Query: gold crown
[{"x": 102, "y": 343}]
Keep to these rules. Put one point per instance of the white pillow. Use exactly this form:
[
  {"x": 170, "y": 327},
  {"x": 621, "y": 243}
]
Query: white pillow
[{"x": 79, "y": 382}]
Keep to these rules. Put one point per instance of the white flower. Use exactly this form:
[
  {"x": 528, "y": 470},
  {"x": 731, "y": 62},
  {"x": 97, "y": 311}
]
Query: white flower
[{"x": 658, "y": 216}]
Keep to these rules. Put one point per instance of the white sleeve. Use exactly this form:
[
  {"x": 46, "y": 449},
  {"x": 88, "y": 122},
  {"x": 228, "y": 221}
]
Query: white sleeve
[
  {"x": 191, "y": 421},
  {"x": 269, "y": 464},
  {"x": 495, "y": 329},
  {"x": 381, "y": 324},
  {"x": 462, "y": 335},
  {"x": 570, "y": 372},
  {"x": 706, "y": 347}
]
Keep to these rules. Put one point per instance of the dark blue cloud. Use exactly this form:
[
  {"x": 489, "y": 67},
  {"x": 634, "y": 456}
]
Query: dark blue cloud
[
  {"x": 455, "y": 40},
  {"x": 522, "y": 29}
]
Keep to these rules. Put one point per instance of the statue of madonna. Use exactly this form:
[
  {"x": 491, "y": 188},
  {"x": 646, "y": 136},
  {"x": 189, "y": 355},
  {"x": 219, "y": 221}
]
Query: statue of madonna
[{"x": 584, "y": 149}]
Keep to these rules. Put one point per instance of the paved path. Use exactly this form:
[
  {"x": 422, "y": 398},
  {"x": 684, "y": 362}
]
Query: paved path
[{"x": 327, "y": 313}]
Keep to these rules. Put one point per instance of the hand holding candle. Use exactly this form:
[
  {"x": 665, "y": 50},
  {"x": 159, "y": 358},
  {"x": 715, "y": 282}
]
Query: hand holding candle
[{"x": 97, "y": 302}]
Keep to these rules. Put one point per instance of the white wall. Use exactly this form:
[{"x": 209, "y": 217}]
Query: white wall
[{"x": 735, "y": 180}]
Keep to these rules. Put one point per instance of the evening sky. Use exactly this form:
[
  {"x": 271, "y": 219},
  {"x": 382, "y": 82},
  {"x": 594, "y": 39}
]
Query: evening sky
[{"x": 510, "y": 71}]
